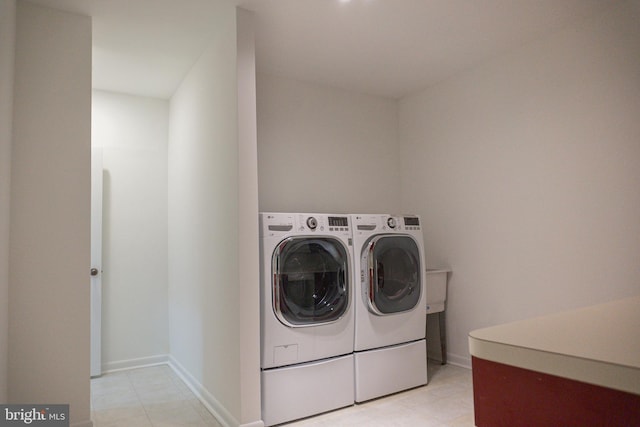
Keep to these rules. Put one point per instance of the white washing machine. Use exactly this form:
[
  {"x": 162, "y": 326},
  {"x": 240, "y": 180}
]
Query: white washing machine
[
  {"x": 389, "y": 347},
  {"x": 307, "y": 315}
]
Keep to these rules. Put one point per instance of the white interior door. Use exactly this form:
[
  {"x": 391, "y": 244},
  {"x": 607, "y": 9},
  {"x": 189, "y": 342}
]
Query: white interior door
[{"x": 96, "y": 261}]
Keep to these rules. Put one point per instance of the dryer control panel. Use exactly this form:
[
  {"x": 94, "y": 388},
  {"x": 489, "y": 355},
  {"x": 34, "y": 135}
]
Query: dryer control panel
[
  {"x": 366, "y": 224},
  {"x": 411, "y": 222}
]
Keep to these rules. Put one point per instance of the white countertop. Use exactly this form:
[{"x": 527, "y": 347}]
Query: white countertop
[{"x": 597, "y": 345}]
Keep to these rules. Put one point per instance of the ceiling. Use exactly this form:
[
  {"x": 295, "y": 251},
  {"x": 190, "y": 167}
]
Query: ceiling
[{"x": 389, "y": 48}]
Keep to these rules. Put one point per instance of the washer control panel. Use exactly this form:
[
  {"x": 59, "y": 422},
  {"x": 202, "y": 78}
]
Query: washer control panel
[
  {"x": 280, "y": 224},
  {"x": 323, "y": 223}
]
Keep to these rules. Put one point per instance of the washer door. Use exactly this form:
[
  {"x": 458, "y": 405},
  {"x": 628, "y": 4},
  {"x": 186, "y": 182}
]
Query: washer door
[
  {"x": 310, "y": 281},
  {"x": 391, "y": 274}
]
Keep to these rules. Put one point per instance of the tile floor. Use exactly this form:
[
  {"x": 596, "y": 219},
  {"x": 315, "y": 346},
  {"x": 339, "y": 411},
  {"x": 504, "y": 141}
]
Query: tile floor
[
  {"x": 146, "y": 397},
  {"x": 156, "y": 397}
]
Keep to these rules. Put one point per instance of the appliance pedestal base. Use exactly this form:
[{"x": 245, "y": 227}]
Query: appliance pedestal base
[
  {"x": 306, "y": 389},
  {"x": 390, "y": 369}
]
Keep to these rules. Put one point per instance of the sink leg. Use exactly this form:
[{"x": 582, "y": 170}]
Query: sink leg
[{"x": 443, "y": 337}]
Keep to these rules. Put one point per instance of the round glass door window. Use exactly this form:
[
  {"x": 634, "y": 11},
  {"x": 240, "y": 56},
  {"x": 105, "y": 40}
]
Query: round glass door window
[
  {"x": 394, "y": 274},
  {"x": 310, "y": 281}
]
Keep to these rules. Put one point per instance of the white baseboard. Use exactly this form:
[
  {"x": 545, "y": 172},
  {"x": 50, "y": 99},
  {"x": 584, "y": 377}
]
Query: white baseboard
[
  {"x": 140, "y": 362},
  {"x": 457, "y": 360},
  {"x": 207, "y": 399},
  {"x": 253, "y": 424}
]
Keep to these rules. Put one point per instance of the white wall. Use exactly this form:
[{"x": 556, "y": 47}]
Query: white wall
[
  {"x": 133, "y": 134},
  {"x": 7, "y": 59},
  {"x": 205, "y": 310},
  {"x": 525, "y": 171},
  {"x": 325, "y": 150},
  {"x": 50, "y": 210}
]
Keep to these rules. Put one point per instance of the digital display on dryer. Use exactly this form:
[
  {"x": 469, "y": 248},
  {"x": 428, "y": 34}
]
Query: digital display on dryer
[
  {"x": 411, "y": 221},
  {"x": 338, "y": 221}
]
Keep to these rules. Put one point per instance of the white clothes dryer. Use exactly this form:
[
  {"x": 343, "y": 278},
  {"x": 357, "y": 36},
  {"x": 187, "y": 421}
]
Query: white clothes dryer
[
  {"x": 389, "y": 346},
  {"x": 307, "y": 315}
]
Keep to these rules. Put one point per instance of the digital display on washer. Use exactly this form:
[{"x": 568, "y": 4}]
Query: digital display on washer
[
  {"x": 338, "y": 221},
  {"x": 411, "y": 221}
]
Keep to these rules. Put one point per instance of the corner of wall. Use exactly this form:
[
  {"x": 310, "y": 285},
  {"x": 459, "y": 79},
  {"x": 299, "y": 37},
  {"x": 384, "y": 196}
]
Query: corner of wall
[
  {"x": 7, "y": 64},
  {"x": 248, "y": 271},
  {"x": 203, "y": 230}
]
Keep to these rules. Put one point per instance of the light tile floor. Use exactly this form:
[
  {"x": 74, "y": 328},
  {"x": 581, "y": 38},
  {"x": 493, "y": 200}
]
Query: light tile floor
[
  {"x": 156, "y": 397},
  {"x": 146, "y": 397}
]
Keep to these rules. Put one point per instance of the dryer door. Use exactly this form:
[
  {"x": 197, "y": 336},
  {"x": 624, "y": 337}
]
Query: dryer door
[
  {"x": 392, "y": 274},
  {"x": 310, "y": 284}
]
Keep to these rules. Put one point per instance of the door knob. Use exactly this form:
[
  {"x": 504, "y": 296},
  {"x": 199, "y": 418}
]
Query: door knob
[{"x": 94, "y": 271}]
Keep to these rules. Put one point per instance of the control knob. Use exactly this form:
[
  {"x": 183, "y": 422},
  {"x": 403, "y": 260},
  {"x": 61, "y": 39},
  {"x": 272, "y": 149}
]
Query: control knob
[
  {"x": 391, "y": 222},
  {"x": 312, "y": 223}
]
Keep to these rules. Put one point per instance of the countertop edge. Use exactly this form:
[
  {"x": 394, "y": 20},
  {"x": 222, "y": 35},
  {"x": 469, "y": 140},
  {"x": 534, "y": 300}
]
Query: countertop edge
[{"x": 605, "y": 374}]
